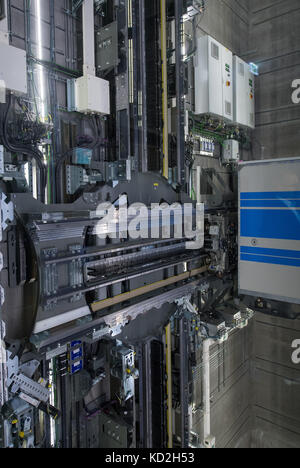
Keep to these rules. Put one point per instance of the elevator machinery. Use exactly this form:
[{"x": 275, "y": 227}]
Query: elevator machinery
[{"x": 119, "y": 234}]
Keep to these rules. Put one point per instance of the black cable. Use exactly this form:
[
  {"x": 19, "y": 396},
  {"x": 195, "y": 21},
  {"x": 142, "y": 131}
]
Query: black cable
[{"x": 33, "y": 153}]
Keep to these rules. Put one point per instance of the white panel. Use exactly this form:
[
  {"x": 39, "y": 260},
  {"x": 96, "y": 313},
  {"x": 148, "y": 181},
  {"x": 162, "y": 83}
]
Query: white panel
[
  {"x": 227, "y": 77},
  {"x": 250, "y": 98},
  {"x": 269, "y": 240},
  {"x": 240, "y": 107},
  {"x": 213, "y": 79},
  {"x": 13, "y": 68},
  {"x": 244, "y": 94},
  {"x": 201, "y": 77}
]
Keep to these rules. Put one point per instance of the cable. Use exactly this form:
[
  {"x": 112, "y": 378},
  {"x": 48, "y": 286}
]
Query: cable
[{"x": 33, "y": 153}]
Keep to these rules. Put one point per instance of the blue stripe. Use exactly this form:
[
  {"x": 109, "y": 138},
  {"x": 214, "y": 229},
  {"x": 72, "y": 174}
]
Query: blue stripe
[
  {"x": 271, "y": 252},
  {"x": 270, "y": 195},
  {"x": 270, "y": 203},
  {"x": 271, "y": 224},
  {"x": 270, "y": 260}
]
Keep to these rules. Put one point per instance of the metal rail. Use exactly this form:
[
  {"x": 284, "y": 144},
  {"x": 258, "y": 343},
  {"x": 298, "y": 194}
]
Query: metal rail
[{"x": 97, "y": 306}]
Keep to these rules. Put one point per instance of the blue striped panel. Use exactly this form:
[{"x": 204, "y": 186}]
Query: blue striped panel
[
  {"x": 271, "y": 252},
  {"x": 271, "y": 224},
  {"x": 271, "y": 260},
  {"x": 270, "y": 203},
  {"x": 270, "y": 195}
]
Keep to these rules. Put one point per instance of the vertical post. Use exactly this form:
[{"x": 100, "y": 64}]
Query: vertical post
[
  {"x": 88, "y": 30},
  {"x": 136, "y": 81},
  {"x": 184, "y": 376},
  {"x": 179, "y": 92},
  {"x": 143, "y": 92},
  {"x": 142, "y": 380},
  {"x": 169, "y": 385},
  {"x": 163, "y": 40},
  {"x": 149, "y": 436}
]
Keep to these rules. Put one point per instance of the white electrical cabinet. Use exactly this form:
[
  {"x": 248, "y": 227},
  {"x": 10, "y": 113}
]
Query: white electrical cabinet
[
  {"x": 213, "y": 79},
  {"x": 92, "y": 95},
  {"x": 231, "y": 151},
  {"x": 269, "y": 238},
  {"x": 13, "y": 68},
  {"x": 244, "y": 93}
]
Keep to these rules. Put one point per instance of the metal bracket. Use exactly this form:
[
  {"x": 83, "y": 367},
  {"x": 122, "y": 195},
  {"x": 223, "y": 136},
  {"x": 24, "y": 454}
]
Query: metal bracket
[{"x": 7, "y": 211}]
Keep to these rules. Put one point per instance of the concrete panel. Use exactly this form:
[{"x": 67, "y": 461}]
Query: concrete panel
[
  {"x": 228, "y": 23},
  {"x": 276, "y": 383},
  {"x": 274, "y": 46},
  {"x": 231, "y": 395}
]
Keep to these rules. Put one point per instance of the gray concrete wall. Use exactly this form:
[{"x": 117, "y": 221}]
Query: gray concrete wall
[
  {"x": 274, "y": 46},
  {"x": 276, "y": 384},
  {"x": 228, "y": 22},
  {"x": 231, "y": 396}
]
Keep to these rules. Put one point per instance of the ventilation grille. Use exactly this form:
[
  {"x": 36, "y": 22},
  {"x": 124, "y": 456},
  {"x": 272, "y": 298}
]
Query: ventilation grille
[
  {"x": 241, "y": 69},
  {"x": 215, "y": 51},
  {"x": 228, "y": 108}
]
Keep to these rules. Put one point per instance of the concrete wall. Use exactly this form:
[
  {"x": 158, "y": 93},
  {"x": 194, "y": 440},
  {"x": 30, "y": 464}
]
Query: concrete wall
[
  {"x": 276, "y": 384},
  {"x": 231, "y": 390},
  {"x": 231, "y": 396},
  {"x": 228, "y": 22},
  {"x": 274, "y": 46}
]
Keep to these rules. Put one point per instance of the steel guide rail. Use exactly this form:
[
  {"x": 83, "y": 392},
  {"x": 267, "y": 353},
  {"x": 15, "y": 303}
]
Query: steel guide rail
[{"x": 65, "y": 294}]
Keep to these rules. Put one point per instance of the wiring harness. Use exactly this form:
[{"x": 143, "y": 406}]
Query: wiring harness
[{"x": 27, "y": 148}]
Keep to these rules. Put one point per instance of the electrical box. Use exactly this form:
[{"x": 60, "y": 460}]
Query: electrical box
[
  {"x": 243, "y": 93},
  {"x": 269, "y": 240},
  {"x": 213, "y": 79},
  {"x": 193, "y": 8},
  {"x": 82, "y": 156},
  {"x": 231, "y": 151},
  {"x": 13, "y": 68},
  {"x": 92, "y": 95}
]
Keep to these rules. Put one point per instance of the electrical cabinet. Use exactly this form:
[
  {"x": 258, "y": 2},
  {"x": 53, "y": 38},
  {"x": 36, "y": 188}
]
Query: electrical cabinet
[
  {"x": 244, "y": 93},
  {"x": 269, "y": 240},
  {"x": 213, "y": 79},
  {"x": 92, "y": 95},
  {"x": 231, "y": 151}
]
